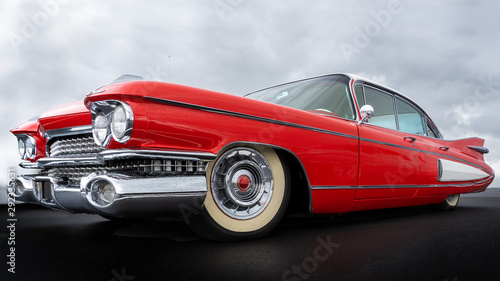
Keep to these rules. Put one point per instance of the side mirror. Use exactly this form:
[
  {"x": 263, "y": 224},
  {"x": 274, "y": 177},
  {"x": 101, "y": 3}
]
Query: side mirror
[{"x": 366, "y": 113}]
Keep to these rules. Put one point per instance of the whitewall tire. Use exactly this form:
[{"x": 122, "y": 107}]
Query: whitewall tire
[{"x": 247, "y": 195}]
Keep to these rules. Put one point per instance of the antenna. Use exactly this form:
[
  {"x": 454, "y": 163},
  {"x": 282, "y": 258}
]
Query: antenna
[{"x": 168, "y": 69}]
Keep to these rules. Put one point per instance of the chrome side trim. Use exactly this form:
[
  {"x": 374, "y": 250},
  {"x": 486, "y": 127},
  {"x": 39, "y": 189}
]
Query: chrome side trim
[
  {"x": 391, "y": 144},
  {"x": 251, "y": 117},
  {"x": 424, "y": 185},
  {"x": 422, "y": 151},
  {"x": 324, "y": 187},
  {"x": 387, "y": 186},
  {"x": 341, "y": 187}
]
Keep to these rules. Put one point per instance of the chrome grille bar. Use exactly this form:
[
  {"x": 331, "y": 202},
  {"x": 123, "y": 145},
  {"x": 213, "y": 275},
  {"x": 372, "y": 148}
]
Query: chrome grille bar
[
  {"x": 144, "y": 167},
  {"x": 76, "y": 146}
]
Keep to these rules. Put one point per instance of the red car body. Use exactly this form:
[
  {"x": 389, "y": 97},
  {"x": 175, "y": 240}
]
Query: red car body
[{"x": 332, "y": 164}]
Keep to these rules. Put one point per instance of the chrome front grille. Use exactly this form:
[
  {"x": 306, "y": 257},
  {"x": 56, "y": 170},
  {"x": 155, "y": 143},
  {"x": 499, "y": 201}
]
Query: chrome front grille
[
  {"x": 73, "y": 146},
  {"x": 82, "y": 145},
  {"x": 142, "y": 167}
]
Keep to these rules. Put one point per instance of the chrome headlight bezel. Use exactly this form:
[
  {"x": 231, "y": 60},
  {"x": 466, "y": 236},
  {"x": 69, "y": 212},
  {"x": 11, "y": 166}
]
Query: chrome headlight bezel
[
  {"x": 107, "y": 110},
  {"x": 122, "y": 114},
  {"x": 26, "y": 146},
  {"x": 21, "y": 147},
  {"x": 100, "y": 123}
]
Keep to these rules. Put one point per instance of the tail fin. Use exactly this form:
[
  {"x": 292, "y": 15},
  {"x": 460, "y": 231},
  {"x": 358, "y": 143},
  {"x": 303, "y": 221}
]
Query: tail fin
[{"x": 471, "y": 146}]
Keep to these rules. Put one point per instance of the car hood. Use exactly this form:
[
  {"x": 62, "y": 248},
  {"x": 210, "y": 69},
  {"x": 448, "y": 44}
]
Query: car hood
[{"x": 67, "y": 115}]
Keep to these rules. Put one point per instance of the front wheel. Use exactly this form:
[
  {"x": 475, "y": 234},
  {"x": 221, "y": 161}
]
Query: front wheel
[
  {"x": 247, "y": 196},
  {"x": 448, "y": 204}
]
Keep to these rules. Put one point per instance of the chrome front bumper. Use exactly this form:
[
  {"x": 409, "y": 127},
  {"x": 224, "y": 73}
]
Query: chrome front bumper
[{"x": 132, "y": 196}]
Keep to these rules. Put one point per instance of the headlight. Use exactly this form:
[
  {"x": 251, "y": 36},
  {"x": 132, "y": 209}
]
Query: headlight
[
  {"x": 30, "y": 147},
  {"x": 111, "y": 119},
  {"x": 121, "y": 123},
  {"x": 27, "y": 147},
  {"x": 22, "y": 148},
  {"x": 100, "y": 129}
]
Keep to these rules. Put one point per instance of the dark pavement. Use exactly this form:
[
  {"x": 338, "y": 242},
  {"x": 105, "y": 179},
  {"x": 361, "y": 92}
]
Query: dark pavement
[{"x": 412, "y": 243}]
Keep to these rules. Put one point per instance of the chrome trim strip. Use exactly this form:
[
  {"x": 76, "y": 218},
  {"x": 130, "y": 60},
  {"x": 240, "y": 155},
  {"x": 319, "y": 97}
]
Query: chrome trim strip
[
  {"x": 440, "y": 170},
  {"x": 53, "y": 162},
  {"x": 387, "y": 186},
  {"x": 29, "y": 165},
  {"x": 423, "y": 151},
  {"x": 484, "y": 180},
  {"x": 112, "y": 154},
  {"x": 278, "y": 122},
  {"x": 424, "y": 185},
  {"x": 341, "y": 187},
  {"x": 327, "y": 187},
  {"x": 87, "y": 129},
  {"x": 115, "y": 154},
  {"x": 391, "y": 144},
  {"x": 251, "y": 117}
]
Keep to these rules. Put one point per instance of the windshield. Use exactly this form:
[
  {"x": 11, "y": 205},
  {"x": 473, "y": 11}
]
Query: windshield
[{"x": 327, "y": 95}]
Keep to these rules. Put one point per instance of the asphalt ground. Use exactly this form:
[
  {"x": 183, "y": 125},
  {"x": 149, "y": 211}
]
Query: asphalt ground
[{"x": 414, "y": 243}]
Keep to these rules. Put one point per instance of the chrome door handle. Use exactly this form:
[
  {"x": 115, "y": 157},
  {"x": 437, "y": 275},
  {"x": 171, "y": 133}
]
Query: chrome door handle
[{"x": 410, "y": 139}]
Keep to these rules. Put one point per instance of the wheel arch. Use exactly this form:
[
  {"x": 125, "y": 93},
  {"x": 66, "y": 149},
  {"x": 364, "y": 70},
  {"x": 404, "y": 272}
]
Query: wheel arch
[{"x": 301, "y": 195}]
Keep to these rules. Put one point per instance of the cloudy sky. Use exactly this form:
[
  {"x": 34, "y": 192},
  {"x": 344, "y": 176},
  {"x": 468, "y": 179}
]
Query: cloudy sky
[{"x": 443, "y": 54}]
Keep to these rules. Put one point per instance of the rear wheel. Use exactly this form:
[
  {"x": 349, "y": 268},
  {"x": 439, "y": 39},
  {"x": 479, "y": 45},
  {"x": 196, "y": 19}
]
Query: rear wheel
[
  {"x": 448, "y": 204},
  {"x": 247, "y": 195}
]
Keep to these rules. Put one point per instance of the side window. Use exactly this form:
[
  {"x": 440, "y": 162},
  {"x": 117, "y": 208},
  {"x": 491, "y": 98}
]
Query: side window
[
  {"x": 430, "y": 132},
  {"x": 339, "y": 101},
  {"x": 409, "y": 118},
  {"x": 331, "y": 98},
  {"x": 358, "y": 90},
  {"x": 384, "y": 108}
]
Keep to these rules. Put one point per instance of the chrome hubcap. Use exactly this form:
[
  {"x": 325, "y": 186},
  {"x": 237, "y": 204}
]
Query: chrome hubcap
[{"x": 242, "y": 183}]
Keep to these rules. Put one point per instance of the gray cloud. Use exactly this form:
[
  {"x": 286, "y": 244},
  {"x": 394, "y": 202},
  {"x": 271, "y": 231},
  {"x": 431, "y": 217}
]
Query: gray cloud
[{"x": 438, "y": 53}]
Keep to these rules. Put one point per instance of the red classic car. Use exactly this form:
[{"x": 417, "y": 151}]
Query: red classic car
[{"x": 231, "y": 166}]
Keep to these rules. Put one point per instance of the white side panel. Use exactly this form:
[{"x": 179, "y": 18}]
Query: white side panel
[{"x": 455, "y": 171}]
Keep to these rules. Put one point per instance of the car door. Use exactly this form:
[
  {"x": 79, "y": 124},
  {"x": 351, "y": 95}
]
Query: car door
[{"x": 388, "y": 157}]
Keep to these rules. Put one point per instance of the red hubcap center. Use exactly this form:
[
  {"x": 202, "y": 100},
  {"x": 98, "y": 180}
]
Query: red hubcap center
[{"x": 243, "y": 182}]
